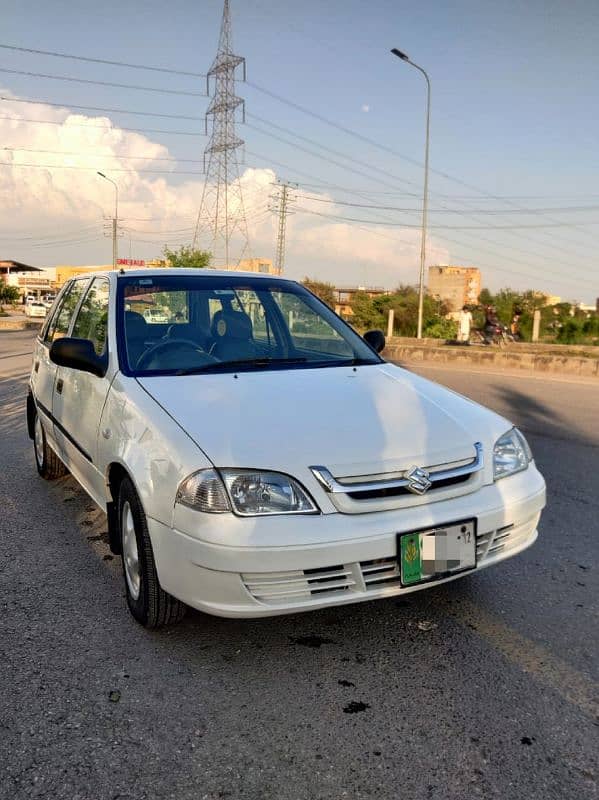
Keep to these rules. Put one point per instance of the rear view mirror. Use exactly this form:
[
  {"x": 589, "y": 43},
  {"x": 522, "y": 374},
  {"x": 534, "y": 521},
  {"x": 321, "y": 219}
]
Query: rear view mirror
[
  {"x": 78, "y": 354},
  {"x": 376, "y": 339}
]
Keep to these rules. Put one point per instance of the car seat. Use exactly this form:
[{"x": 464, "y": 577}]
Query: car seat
[
  {"x": 233, "y": 335},
  {"x": 136, "y": 332}
]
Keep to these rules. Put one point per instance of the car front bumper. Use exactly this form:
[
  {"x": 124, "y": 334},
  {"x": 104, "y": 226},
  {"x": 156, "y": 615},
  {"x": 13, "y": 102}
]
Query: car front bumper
[{"x": 233, "y": 569}]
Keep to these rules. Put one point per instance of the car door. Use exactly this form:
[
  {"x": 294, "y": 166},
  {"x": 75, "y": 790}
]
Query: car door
[
  {"x": 43, "y": 375},
  {"x": 79, "y": 396}
]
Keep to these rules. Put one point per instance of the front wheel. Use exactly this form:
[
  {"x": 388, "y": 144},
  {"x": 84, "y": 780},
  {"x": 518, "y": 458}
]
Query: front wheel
[
  {"x": 151, "y": 606},
  {"x": 47, "y": 462}
]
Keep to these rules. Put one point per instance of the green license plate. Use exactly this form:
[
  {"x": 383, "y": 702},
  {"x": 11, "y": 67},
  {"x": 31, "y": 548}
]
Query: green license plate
[{"x": 436, "y": 553}]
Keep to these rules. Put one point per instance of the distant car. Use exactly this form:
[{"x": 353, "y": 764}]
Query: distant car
[
  {"x": 48, "y": 300},
  {"x": 249, "y": 469},
  {"x": 155, "y": 316},
  {"x": 35, "y": 309},
  {"x": 30, "y": 298}
]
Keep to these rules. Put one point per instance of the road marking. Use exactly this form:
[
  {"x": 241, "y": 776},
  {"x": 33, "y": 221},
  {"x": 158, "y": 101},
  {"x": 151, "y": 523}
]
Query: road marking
[{"x": 530, "y": 657}]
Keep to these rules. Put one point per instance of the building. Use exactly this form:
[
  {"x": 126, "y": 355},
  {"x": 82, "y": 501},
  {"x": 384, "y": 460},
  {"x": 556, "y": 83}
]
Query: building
[
  {"x": 64, "y": 272},
  {"x": 344, "y": 295},
  {"x": 456, "y": 286},
  {"x": 263, "y": 265},
  {"x": 28, "y": 279}
]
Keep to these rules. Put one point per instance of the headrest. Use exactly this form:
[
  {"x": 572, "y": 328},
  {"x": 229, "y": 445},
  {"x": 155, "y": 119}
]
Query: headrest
[
  {"x": 233, "y": 324},
  {"x": 135, "y": 324}
]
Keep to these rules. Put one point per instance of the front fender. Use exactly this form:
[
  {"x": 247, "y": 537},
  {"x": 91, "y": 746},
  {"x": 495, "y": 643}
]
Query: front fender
[{"x": 136, "y": 433}]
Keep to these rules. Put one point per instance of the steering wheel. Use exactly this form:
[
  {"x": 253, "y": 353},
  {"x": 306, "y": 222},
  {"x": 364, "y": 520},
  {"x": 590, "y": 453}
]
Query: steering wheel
[{"x": 175, "y": 344}]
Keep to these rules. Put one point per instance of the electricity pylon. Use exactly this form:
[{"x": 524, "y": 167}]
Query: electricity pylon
[
  {"x": 282, "y": 200},
  {"x": 221, "y": 225}
]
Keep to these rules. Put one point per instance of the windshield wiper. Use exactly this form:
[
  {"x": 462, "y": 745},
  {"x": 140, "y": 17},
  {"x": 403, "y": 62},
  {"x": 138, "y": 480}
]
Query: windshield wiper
[{"x": 263, "y": 361}]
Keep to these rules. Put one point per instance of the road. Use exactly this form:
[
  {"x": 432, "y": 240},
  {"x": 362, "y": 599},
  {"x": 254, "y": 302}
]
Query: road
[{"x": 497, "y": 697}]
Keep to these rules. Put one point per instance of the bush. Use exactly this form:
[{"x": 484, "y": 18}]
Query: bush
[{"x": 441, "y": 329}]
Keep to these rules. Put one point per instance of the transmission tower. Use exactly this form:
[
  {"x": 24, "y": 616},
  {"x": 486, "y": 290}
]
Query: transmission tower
[
  {"x": 221, "y": 225},
  {"x": 282, "y": 200}
]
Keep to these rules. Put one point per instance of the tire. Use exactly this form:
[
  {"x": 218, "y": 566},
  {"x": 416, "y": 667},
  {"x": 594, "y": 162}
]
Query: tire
[
  {"x": 47, "y": 462},
  {"x": 150, "y": 605}
]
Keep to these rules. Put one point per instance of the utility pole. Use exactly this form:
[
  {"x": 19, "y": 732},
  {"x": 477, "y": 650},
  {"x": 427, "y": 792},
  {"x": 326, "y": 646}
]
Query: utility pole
[
  {"x": 283, "y": 198},
  {"x": 221, "y": 217},
  {"x": 407, "y": 59},
  {"x": 115, "y": 220}
]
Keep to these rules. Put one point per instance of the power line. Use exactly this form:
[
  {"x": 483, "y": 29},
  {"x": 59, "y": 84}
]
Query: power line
[
  {"x": 448, "y": 227},
  {"x": 100, "y": 108},
  {"x": 464, "y": 212},
  {"x": 295, "y": 171},
  {"x": 102, "y": 61},
  {"x": 450, "y": 210},
  {"x": 325, "y": 120},
  {"x": 39, "y": 237},
  {"x": 70, "y": 79},
  {"x": 113, "y": 169},
  {"x": 70, "y": 124},
  {"x": 277, "y": 97},
  {"x": 104, "y": 155}
]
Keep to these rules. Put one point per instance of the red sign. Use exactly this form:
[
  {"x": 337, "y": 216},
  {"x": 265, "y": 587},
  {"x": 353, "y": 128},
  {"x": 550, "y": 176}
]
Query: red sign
[{"x": 131, "y": 262}]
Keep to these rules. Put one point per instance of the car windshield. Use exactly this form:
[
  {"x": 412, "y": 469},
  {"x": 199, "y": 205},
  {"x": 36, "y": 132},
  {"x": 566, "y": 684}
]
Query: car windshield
[{"x": 186, "y": 324}]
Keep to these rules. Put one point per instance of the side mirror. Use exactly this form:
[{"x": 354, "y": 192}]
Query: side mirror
[
  {"x": 78, "y": 354},
  {"x": 376, "y": 339}
]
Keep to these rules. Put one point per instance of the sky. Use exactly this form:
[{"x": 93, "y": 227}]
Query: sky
[{"x": 513, "y": 149}]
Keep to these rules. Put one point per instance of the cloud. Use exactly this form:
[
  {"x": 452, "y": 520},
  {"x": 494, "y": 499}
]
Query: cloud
[
  {"x": 365, "y": 108},
  {"x": 55, "y": 215}
]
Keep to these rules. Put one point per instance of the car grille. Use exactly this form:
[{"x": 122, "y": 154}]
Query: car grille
[
  {"x": 282, "y": 588},
  {"x": 361, "y": 494}
]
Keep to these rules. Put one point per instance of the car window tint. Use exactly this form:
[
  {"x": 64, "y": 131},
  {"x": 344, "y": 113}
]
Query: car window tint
[
  {"x": 92, "y": 319},
  {"x": 62, "y": 319}
]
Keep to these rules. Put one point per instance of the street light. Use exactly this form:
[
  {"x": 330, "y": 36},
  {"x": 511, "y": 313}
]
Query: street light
[
  {"x": 406, "y": 58},
  {"x": 114, "y": 219}
]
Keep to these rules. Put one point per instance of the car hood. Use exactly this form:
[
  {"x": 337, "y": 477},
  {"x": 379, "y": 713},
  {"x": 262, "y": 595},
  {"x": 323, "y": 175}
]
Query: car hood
[{"x": 355, "y": 421}]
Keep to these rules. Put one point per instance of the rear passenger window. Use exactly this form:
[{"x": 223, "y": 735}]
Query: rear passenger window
[
  {"x": 92, "y": 319},
  {"x": 64, "y": 313}
]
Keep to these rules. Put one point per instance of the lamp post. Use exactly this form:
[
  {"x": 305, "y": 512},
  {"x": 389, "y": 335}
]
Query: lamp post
[
  {"x": 115, "y": 219},
  {"x": 406, "y": 58}
]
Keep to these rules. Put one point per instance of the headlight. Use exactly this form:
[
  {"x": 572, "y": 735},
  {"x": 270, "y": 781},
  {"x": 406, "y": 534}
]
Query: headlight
[
  {"x": 511, "y": 454},
  {"x": 249, "y": 493}
]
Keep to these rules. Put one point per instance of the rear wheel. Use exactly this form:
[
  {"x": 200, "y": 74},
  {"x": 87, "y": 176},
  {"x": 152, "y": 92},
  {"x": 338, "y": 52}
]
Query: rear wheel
[
  {"x": 47, "y": 462},
  {"x": 151, "y": 606}
]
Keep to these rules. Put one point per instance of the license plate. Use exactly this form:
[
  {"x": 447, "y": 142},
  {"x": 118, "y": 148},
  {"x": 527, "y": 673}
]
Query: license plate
[{"x": 436, "y": 553}]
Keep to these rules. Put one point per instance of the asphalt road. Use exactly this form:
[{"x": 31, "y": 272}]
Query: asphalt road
[{"x": 496, "y": 698}]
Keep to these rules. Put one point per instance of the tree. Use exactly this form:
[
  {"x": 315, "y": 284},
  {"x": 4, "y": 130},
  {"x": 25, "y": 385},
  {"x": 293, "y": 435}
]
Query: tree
[
  {"x": 8, "y": 294},
  {"x": 187, "y": 257},
  {"x": 325, "y": 291}
]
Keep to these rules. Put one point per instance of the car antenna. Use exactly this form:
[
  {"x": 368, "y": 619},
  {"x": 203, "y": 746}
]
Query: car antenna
[{"x": 121, "y": 271}]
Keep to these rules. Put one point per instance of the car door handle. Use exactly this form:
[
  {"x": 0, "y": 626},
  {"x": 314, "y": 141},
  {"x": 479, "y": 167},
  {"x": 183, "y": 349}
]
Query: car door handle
[
  {"x": 59, "y": 385},
  {"x": 36, "y": 366}
]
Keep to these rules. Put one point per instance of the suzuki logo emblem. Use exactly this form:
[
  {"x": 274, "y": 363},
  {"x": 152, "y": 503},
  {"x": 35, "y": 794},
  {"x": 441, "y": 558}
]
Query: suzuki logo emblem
[{"x": 418, "y": 480}]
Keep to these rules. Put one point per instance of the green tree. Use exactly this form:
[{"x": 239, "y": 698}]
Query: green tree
[
  {"x": 325, "y": 291},
  {"x": 8, "y": 294},
  {"x": 187, "y": 257}
]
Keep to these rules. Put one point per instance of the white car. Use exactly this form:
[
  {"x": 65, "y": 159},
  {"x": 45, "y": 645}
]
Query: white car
[
  {"x": 262, "y": 458},
  {"x": 35, "y": 309},
  {"x": 155, "y": 315}
]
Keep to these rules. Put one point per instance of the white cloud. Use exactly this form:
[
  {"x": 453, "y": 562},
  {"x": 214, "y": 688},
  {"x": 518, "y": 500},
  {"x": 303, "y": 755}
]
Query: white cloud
[{"x": 50, "y": 204}]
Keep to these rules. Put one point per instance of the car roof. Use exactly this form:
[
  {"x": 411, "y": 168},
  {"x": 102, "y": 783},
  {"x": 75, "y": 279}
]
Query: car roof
[{"x": 199, "y": 273}]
